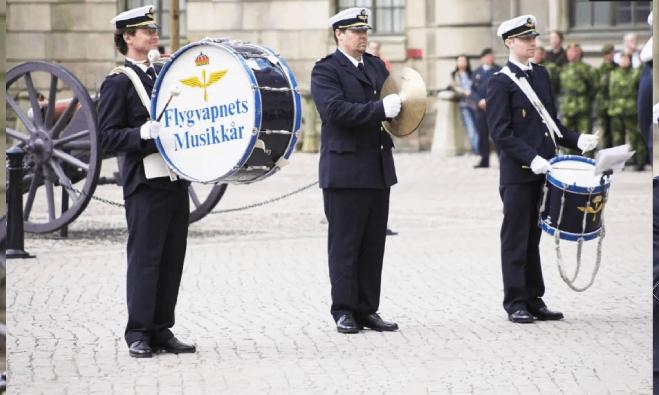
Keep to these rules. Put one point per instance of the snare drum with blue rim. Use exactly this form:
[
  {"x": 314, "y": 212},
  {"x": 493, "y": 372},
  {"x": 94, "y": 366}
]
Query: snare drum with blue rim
[
  {"x": 237, "y": 116},
  {"x": 574, "y": 198}
]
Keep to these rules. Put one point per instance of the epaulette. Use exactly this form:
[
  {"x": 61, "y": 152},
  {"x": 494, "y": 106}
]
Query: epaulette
[{"x": 324, "y": 58}]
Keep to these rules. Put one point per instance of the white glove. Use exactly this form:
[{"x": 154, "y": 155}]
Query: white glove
[
  {"x": 587, "y": 142},
  {"x": 539, "y": 165},
  {"x": 150, "y": 130},
  {"x": 655, "y": 113},
  {"x": 391, "y": 105}
]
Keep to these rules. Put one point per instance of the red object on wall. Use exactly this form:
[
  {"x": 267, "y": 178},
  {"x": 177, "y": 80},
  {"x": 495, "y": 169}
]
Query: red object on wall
[{"x": 414, "y": 53}]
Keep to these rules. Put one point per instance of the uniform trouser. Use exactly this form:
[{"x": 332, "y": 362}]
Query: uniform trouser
[
  {"x": 607, "y": 135},
  {"x": 157, "y": 237},
  {"x": 357, "y": 220},
  {"x": 629, "y": 124},
  {"x": 483, "y": 137},
  {"x": 581, "y": 123},
  {"x": 523, "y": 285},
  {"x": 655, "y": 351}
]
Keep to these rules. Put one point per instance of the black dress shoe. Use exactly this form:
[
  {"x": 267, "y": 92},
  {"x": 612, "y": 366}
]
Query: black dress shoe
[
  {"x": 175, "y": 346},
  {"x": 373, "y": 321},
  {"x": 481, "y": 166},
  {"x": 346, "y": 324},
  {"x": 521, "y": 317},
  {"x": 140, "y": 349},
  {"x": 391, "y": 232},
  {"x": 544, "y": 314}
]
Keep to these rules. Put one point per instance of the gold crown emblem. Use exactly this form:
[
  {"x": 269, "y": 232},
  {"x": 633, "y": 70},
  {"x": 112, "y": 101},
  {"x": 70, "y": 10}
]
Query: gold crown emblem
[
  {"x": 362, "y": 16},
  {"x": 597, "y": 199},
  {"x": 149, "y": 15},
  {"x": 202, "y": 60},
  {"x": 529, "y": 23}
]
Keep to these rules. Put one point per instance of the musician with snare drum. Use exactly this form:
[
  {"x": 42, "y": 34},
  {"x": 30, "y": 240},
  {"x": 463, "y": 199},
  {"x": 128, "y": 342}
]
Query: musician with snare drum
[
  {"x": 528, "y": 135},
  {"x": 356, "y": 170},
  {"x": 157, "y": 209}
]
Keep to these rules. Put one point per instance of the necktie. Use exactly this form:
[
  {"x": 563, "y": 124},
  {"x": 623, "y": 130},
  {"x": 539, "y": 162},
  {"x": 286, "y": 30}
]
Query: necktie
[
  {"x": 361, "y": 68},
  {"x": 529, "y": 72},
  {"x": 151, "y": 72}
]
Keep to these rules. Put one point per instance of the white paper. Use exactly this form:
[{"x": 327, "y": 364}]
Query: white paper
[{"x": 612, "y": 158}]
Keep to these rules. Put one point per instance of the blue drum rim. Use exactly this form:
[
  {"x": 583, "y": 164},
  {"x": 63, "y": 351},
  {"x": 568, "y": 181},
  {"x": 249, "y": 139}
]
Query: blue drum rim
[
  {"x": 298, "y": 103},
  {"x": 574, "y": 188},
  {"x": 570, "y": 236},
  {"x": 257, "y": 112}
]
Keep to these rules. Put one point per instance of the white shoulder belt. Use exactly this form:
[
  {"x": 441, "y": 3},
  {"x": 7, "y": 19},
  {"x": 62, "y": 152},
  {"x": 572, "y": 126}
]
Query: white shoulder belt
[
  {"x": 535, "y": 101},
  {"x": 154, "y": 165}
]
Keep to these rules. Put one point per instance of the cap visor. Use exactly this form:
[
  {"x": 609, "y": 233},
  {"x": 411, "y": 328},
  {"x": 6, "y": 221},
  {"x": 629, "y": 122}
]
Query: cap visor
[
  {"x": 529, "y": 34},
  {"x": 362, "y": 27}
]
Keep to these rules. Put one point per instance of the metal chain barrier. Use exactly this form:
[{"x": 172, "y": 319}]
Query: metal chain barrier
[{"x": 117, "y": 204}]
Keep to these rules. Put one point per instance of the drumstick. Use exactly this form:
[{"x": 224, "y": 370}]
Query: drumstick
[{"x": 174, "y": 90}]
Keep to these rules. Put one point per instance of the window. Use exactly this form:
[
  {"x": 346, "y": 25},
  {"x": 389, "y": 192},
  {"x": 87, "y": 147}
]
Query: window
[
  {"x": 161, "y": 15},
  {"x": 602, "y": 14},
  {"x": 387, "y": 16}
]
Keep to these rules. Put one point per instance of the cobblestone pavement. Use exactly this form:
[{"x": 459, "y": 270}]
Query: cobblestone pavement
[{"x": 255, "y": 299}]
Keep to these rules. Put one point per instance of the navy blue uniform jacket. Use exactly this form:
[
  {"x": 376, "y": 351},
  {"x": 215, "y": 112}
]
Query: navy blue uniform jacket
[
  {"x": 480, "y": 78},
  {"x": 121, "y": 114},
  {"x": 355, "y": 149},
  {"x": 644, "y": 103},
  {"x": 517, "y": 128}
]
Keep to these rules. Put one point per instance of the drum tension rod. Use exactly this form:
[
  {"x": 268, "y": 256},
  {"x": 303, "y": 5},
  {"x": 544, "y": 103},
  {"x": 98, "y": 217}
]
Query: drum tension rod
[{"x": 267, "y": 88}]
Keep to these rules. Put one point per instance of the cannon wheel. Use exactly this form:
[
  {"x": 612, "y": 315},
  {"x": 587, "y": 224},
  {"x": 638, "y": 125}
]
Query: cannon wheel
[
  {"x": 199, "y": 209},
  {"x": 49, "y": 145}
]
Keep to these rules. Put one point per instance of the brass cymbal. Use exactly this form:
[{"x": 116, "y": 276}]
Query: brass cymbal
[{"x": 409, "y": 85}]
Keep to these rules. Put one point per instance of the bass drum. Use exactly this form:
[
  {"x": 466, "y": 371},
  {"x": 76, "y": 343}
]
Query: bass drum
[{"x": 237, "y": 116}]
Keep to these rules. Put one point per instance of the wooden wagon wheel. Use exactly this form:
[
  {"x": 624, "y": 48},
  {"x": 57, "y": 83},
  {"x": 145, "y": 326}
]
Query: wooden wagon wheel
[{"x": 60, "y": 141}]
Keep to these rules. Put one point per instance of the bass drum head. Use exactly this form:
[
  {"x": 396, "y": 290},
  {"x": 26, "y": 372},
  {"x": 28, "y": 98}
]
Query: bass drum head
[{"x": 208, "y": 129}]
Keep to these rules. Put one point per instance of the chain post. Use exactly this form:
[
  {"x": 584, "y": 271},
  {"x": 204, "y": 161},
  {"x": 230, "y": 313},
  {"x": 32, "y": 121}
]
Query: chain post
[{"x": 15, "y": 231}]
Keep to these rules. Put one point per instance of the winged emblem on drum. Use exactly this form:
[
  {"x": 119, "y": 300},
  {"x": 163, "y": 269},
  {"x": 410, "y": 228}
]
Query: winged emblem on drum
[
  {"x": 194, "y": 82},
  {"x": 598, "y": 207}
]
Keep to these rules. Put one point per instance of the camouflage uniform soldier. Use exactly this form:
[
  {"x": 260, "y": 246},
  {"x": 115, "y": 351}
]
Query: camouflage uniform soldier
[
  {"x": 577, "y": 84},
  {"x": 601, "y": 80},
  {"x": 540, "y": 57},
  {"x": 623, "y": 90}
]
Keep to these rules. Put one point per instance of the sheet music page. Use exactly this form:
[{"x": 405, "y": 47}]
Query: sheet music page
[{"x": 612, "y": 158}]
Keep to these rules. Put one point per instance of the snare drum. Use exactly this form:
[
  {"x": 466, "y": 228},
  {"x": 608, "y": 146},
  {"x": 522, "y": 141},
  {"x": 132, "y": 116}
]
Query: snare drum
[
  {"x": 575, "y": 196},
  {"x": 237, "y": 116}
]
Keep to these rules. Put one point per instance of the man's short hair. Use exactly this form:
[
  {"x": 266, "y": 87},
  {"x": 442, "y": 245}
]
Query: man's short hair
[
  {"x": 558, "y": 33},
  {"x": 607, "y": 49},
  {"x": 629, "y": 35},
  {"x": 119, "y": 42},
  {"x": 336, "y": 40}
]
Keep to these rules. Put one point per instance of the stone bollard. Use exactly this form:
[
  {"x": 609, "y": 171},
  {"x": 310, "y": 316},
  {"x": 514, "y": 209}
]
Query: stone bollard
[
  {"x": 449, "y": 135},
  {"x": 15, "y": 233}
]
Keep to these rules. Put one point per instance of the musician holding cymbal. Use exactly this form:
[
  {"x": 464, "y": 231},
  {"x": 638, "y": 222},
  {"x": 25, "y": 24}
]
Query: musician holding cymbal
[
  {"x": 157, "y": 209},
  {"x": 356, "y": 169},
  {"x": 528, "y": 135}
]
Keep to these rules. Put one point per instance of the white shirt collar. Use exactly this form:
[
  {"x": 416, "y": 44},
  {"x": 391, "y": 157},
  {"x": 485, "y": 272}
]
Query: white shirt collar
[
  {"x": 353, "y": 60},
  {"x": 141, "y": 65},
  {"x": 486, "y": 67},
  {"x": 521, "y": 66}
]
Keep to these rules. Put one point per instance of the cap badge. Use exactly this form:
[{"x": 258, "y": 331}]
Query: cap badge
[
  {"x": 362, "y": 16},
  {"x": 529, "y": 23}
]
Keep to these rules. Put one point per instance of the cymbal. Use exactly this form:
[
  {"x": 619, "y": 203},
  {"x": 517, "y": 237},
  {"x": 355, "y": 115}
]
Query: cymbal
[{"x": 409, "y": 85}]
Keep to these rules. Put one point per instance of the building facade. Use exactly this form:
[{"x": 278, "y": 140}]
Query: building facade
[{"x": 426, "y": 35}]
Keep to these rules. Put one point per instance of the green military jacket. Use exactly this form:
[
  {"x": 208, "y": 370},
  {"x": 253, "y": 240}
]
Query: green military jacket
[
  {"x": 601, "y": 79},
  {"x": 578, "y": 89},
  {"x": 623, "y": 91},
  {"x": 554, "y": 76}
]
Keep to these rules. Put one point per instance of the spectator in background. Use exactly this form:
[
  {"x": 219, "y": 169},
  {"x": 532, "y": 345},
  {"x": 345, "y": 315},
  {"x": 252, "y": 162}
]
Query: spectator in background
[
  {"x": 631, "y": 43},
  {"x": 461, "y": 83},
  {"x": 578, "y": 93},
  {"x": 557, "y": 54},
  {"x": 644, "y": 100},
  {"x": 540, "y": 57},
  {"x": 478, "y": 92},
  {"x": 623, "y": 91},
  {"x": 601, "y": 81},
  {"x": 374, "y": 49}
]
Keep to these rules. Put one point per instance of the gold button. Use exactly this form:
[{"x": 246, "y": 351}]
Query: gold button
[
  {"x": 382, "y": 147},
  {"x": 375, "y": 92},
  {"x": 546, "y": 134},
  {"x": 381, "y": 127}
]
